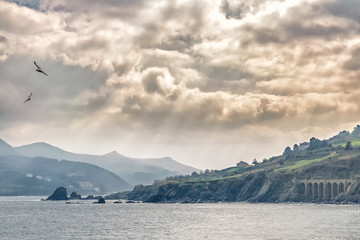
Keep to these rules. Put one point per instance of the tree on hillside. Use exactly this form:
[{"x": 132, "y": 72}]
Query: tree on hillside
[
  {"x": 316, "y": 144},
  {"x": 348, "y": 146},
  {"x": 287, "y": 151},
  {"x": 356, "y": 131},
  {"x": 304, "y": 145},
  {"x": 342, "y": 136},
  {"x": 194, "y": 174},
  {"x": 296, "y": 148}
]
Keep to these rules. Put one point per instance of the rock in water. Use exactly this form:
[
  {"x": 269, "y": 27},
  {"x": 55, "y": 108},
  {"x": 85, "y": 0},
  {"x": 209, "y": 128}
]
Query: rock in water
[
  {"x": 74, "y": 195},
  {"x": 90, "y": 197},
  {"x": 101, "y": 200},
  {"x": 59, "y": 194}
]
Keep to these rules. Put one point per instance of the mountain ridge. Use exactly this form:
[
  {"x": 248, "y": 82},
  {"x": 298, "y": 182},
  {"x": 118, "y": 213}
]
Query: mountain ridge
[
  {"x": 133, "y": 170},
  {"x": 20, "y": 175},
  {"x": 7, "y": 149}
]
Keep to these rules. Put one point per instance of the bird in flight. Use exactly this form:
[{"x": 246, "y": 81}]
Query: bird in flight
[
  {"x": 29, "y": 98},
  {"x": 39, "y": 69}
]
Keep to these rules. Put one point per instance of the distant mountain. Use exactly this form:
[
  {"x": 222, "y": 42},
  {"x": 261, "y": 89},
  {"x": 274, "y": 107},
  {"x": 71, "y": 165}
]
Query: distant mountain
[
  {"x": 133, "y": 170},
  {"x": 6, "y": 149},
  {"x": 21, "y": 175},
  {"x": 169, "y": 164}
]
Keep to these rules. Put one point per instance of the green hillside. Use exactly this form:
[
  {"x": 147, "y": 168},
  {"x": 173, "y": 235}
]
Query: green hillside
[{"x": 276, "y": 179}]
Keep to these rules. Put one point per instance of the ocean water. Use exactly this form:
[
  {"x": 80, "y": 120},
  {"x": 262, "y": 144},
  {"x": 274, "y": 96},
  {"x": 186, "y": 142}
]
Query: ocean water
[{"x": 29, "y": 218}]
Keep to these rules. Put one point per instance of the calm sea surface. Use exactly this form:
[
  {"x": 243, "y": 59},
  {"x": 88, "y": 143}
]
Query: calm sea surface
[{"x": 29, "y": 218}]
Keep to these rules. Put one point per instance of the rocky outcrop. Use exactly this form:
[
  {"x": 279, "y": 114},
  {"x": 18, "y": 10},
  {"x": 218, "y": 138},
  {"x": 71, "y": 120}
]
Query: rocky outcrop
[
  {"x": 59, "y": 194},
  {"x": 90, "y": 197},
  {"x": 258, "y": 187},
  {"x": 101, "y": 201},
  {"x": 74, "y": 196},
  {"x": 352, "y": 195},
  {"x": 206, "y": 191}
]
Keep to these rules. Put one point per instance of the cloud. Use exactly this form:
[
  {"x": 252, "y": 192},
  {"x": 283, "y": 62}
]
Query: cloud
[
  {"x": 159, "y": 81},
  {"x": 192, "y": 71},
  {"x": 353, "y": 63},
  {"x": 239, "y": 9},
  {"x": 108, "y": 8},
  {"x": 32, "y": 22},
  {"x": 299, "y": 22},
  {"x": 28, "y": 3},
  {"x": 3, "y": 39},
  {"x": 342, "y": 9}
]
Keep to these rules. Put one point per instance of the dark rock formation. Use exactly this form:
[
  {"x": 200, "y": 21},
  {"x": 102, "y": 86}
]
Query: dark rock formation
[
  {"x": 74, "y": 195},
  {"x": 257, "y": 187},
  {"x": 116, "y": 196},
  {"x": 101, "y": 201},
  {"x": 59, "y": 194},
  {"x": 90, "y": 197}
]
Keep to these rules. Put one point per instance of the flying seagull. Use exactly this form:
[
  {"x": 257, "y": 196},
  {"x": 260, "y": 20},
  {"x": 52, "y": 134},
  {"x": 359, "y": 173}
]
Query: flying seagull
[
  {"x": 29, "y": 98},
  {"x": 39, "y": 69}
]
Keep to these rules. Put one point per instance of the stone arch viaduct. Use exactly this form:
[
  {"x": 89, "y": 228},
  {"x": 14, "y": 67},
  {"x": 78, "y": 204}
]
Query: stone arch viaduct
[{"x": 325, "y": 189}]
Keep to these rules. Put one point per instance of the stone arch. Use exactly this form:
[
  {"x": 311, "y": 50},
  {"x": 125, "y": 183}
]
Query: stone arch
[
  {"x": 321, "y": 190},
  {"x": 303, "y": 189},
  {"x": 315, "y": 191},
  {"x": 341, "y": 187},
  {"x": 310, "y": 190},
  {"x": 328, "y": 191},
  {"x": 335, "y": 189},
  {"x": 325, "y": 189}
]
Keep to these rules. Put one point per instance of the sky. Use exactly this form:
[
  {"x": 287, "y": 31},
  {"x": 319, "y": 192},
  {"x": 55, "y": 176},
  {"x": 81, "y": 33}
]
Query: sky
[{"x": 207, "y": 82}]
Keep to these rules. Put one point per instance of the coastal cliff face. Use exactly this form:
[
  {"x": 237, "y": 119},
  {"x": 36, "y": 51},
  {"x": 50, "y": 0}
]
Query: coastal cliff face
[
  {"x": 256, "y": 187},
  {"x": 281, "y": 179}
]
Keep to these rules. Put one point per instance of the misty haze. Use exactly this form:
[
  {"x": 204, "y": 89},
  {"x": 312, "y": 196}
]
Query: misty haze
[{"x": 173, "y": 119}]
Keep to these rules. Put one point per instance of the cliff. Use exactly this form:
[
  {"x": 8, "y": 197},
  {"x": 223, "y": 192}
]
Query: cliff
[{"x": 322, "y": 172}]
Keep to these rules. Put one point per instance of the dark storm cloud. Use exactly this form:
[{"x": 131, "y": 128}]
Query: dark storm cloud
[
  {"x": 225, "y": 78},
  {"x": 296, "y": 31},
  {"x": 348, "y": 9},
  {"x": 319, "y": 20},
  {"x": 238, "y": 9},
  {"x": 152, "y": 83},
  {"x": 179, "y": 42},
  {"x": 121, "y": 68},
  {"x": 176, "y": 26},
  {"x": 297, "y": 26},
  {"x": 226, "y": 73},
  {"x": 231, "y": 12},
  {"x": 3, "y": 39}
]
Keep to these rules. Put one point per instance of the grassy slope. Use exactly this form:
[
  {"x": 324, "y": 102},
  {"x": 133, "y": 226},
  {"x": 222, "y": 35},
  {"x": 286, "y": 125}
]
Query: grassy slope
[
  {"x": 279, "y": 163},
  {"x": 354, "y": 143},
  {"x": 269, "y": 181}
]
